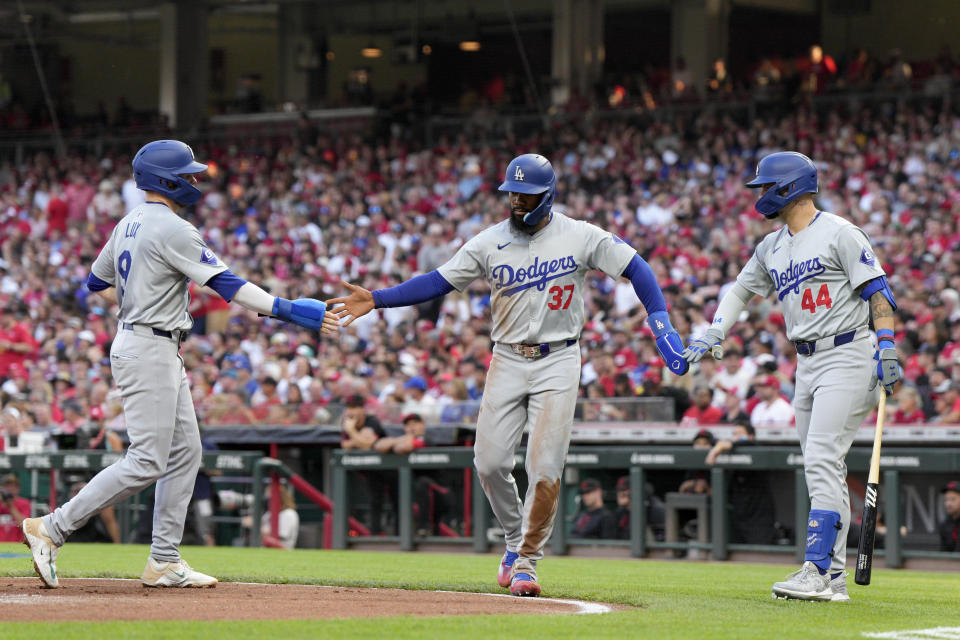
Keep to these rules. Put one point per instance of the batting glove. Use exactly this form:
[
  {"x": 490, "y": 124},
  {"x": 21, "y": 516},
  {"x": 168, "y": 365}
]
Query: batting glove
[
  {"x": 888, "y": 370},
  {"x": 305, "y": 312},
  {"x": 888, "y": 365},
  {"x": 709, "y": 342}
]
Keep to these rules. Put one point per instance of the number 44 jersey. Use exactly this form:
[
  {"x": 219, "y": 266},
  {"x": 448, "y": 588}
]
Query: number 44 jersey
[
  {"x": 815, "y": 274},
  {"x": 151, "y": 256},
  {"x": 536, "y": 281}
]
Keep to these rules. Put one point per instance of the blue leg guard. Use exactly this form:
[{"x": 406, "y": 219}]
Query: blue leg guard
[{"x": 822, "y": 529}]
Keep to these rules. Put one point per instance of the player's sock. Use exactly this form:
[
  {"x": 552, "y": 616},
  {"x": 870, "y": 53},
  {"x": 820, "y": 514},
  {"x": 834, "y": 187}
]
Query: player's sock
[
  {"x": 822, "y": 572},
  {"x": 834, "y": 576}
]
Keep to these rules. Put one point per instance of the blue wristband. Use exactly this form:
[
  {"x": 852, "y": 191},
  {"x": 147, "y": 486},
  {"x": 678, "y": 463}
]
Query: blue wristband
[
  {"x": 282, "y": 308},
  {"x": 659, "y": 322},
  {"x": 885, "y": 339}
]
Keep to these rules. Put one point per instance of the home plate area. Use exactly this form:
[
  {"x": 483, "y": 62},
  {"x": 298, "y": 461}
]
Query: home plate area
[
  {"x": 23, "y": 600},
  {"x": 935, "y": 633}
]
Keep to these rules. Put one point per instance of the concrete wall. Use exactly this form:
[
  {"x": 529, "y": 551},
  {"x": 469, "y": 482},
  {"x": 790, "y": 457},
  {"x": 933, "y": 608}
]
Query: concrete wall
[
  {"x": 919, "y": 29},
  {"x": 385, "y": 72},
  {"x": 108, "y": 61},
  {"x": 250, "y": 46}
]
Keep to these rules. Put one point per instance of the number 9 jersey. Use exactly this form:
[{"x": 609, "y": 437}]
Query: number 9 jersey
[
  {"x": 536, "y": 281},
  {"x": 815, "y": 275},
  {"x": 151, "y": 257}
]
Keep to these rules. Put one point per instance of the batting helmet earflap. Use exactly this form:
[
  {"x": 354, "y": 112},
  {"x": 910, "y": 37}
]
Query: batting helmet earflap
[
  {"x": 532, "y": 173},
  {"x": 158, "y": 165},
  {"x": 791, "y": 175}
]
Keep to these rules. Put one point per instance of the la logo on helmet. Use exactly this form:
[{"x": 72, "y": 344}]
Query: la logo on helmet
[{"x": 518, "y": 174}]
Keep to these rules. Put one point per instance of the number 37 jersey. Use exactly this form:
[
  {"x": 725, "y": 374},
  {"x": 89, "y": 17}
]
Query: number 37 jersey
[
  {"x": 815, "y": 275},
  {"x": 536, "y": 281},
  {"x": 150, "y": 258}
]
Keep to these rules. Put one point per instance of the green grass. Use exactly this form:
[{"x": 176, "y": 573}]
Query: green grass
[{"x": 672, "y": 599}]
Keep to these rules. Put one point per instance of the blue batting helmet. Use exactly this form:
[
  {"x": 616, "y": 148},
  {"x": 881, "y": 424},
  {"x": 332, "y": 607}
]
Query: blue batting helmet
[
  {"x": 532, "y": 173},
  {"x": 791, "y": 175},
  {"x": 159, "y": 165}
]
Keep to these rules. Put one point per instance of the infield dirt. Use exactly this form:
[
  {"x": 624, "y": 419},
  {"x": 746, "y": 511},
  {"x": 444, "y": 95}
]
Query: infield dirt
[{"x": 24, "y": 600}]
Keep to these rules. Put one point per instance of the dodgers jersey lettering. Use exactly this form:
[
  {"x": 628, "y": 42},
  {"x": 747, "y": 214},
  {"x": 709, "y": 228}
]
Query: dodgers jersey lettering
[
  {"x": 151, "y": 256},
  {"x": 536, "y": 281},
  {"x": 815, "y": 275}
]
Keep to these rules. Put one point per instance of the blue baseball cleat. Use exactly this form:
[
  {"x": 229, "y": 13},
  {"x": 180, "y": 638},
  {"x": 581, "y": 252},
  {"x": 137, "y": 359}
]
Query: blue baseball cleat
[
  {"x": 524, "y": 584},
  {"x": 506, "y": 567}
]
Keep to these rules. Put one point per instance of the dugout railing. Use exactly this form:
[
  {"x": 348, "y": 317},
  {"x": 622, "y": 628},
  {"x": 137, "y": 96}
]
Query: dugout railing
[
  {"x": 638, "y": 461},
  {"x": 42, "y": 478}
]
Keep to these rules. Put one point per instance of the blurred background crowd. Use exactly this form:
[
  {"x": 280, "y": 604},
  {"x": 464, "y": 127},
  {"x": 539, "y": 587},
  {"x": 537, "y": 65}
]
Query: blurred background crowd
[{"x": 301, "y": 212}]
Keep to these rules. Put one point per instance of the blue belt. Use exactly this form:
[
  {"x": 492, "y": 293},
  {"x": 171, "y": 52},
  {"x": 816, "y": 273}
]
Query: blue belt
[
  {"x": 807, "y": 348},
  {"x": 157, "y": 332},
  {"x": 538, "y": 350}
]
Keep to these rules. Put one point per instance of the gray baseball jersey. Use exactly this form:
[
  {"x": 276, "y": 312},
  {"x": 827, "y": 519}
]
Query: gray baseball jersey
[
  {"x": 536, "y": 296},
  {"x": 536, "y": 282},
  {"x": 815, "y": 275},
  {"x": 150, "y": 257}
]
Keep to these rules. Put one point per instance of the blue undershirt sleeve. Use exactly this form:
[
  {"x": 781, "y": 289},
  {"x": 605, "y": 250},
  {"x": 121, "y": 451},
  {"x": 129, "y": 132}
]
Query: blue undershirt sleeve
[
  {"x": 645, "y": 284},
  {"x": 226, "y": 283},
  {"x": 96, "y": 284},
  {"x": 414, "y": 291}
]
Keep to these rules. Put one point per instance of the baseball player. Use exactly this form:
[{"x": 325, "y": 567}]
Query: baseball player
[
  {"x": 535, "y": 262},
  {"x": 829, "y": 283},
  {"x": 145, "y": 268}
]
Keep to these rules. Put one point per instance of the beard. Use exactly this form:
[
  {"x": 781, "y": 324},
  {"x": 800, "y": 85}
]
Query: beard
[{"x": 516, "y": 221}]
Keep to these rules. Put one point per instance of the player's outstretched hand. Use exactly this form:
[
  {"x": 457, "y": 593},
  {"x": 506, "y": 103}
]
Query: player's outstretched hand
[
  {"x": 306, "y": 312},
  {"x": 888, "y": 370},
  {"x": 358, "y": 303},
  {"x": 711, "y": 341}
]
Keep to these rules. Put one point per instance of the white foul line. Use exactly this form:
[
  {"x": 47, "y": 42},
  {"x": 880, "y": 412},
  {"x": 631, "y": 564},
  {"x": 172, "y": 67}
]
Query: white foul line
[
  {"x": 934, "y": 633},
  {"x": 582, "y": 606}
]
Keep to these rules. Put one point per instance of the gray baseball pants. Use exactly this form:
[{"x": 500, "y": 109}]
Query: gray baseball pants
[
  {"x": 164, "y": 443},
  {"x": 832, "y": 398},
  {"x": 540, "y": 394}
]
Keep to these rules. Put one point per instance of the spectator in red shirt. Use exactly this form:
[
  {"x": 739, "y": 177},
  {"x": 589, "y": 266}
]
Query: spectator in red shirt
[
  {"x": 624, "y": 357},
  {"x": 13, "y": 509},
  {"x": 16, "y": 344},
  {"x": 57, "y": 212},
  {"x": 413, "y": 431},
  {"x": 701, "y": 412},
  {"x": 235, "y": 410},
  {"x": 266, "y": 397},
  {"x": 73, "y": 417},
  {"x": 908, "y": 407},
  {"x": 79, "y": 194}
]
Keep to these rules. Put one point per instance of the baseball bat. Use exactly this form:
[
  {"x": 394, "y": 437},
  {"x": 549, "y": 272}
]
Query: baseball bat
[{"x": 868, "y": 524}]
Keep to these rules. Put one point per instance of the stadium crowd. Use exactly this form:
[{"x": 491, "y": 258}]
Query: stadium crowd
[{"x": 300, "y": 213}]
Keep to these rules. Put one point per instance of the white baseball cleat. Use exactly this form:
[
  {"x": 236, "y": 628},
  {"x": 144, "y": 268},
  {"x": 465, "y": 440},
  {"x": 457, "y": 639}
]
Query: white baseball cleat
[
  {"x": 839, "y": 587},
  {"x": 174, "y": 574},
  {"x": 805, "y": 584},
  {"x": 44, "y": 552}
]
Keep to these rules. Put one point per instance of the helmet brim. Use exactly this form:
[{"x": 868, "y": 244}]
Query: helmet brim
[
  {"x": 759, "y": 181},
  {"x": 521, "y": 187},
  {"x": 193, "y": 167}
]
